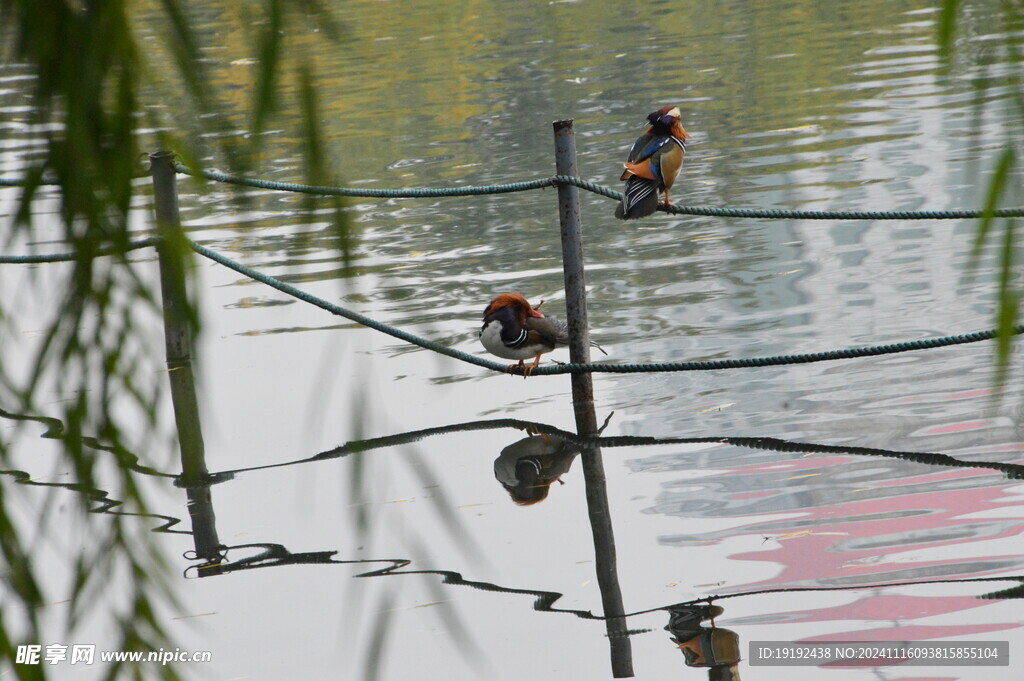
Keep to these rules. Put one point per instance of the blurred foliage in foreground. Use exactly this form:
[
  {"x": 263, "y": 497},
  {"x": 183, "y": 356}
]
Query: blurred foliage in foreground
[
  {"x": 999, "y": 62},
  {"x": 91, "y": 95},
  {"x": 99, "y": 103}
]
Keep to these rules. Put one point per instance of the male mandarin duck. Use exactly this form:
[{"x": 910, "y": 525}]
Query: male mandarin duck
[
  {"x": 527, "y": 468},
  {"x": 653, "y": 164},
  {"x": 514, "y": 329}
]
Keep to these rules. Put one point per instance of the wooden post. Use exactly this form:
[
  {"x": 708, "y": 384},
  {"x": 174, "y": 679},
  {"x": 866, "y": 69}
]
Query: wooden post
[
  {"x": 178, "y": 332},
  {"x": 177, "y": 320},
  {"x": 575, "y": 280},
  {"x": 583, "y": 403}
]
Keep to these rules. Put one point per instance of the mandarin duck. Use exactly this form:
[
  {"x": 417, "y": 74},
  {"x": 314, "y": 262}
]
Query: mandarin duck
[
  {"x": 653, "y": 164},
  {"x": 513, "y": 329},
  {"x": 527, "y": 468}
]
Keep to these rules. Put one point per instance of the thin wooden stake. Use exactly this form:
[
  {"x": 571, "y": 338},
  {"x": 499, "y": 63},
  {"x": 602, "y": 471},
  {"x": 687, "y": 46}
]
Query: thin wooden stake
[
  {"x": 575, "y": 279},
  {"x": 178, "y": 332},
  {"x": 583, "y": 404}
]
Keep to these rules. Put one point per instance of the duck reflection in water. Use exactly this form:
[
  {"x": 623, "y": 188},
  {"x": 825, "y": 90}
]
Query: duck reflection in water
[
  {"x": 527, "y": 468},
  {"x": 713, "y": 648}
]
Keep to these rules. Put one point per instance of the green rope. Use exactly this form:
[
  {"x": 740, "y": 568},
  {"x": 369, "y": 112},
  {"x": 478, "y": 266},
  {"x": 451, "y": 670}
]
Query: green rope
[
  {"x": 777, "y": 360},
  {"x": 45, "y": 182},
  {"x": 595, "y": 188},
  {"x": 367, "y": 193},
  {"x": 69, "y": 257},
  {"x": 556, "y": 180},
  {"x": 839, "y": 214},
  {"x": 342, "y": 312},
  {"x": 705, "y": 365}
]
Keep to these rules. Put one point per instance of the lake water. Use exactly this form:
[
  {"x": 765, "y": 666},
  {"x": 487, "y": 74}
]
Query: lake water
[{"x": 404, "y": 556}]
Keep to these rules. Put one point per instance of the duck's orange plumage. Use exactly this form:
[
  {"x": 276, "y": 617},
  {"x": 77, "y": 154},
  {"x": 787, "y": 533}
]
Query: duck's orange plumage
[{"x": 514, "y": 329}]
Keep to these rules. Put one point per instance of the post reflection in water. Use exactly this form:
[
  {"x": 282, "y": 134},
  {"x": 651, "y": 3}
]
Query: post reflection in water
[
  {"x": 539, "y": 459},
  {"x": 691, "y": 624}
]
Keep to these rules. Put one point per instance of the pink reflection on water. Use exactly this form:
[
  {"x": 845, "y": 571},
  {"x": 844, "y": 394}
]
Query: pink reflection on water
[
  {"x": 922, "y": 534},
  {"x": 829, "y": 541}
]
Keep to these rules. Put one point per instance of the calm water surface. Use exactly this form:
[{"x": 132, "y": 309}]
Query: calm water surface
[{"x": 790, "y": 104}]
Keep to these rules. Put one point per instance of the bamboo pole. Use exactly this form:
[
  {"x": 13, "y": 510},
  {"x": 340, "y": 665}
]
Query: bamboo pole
[
  {"x": 575, "y": 279},
  {"x": 621, "y": 649},
  {"x": 178, "y": 332}
]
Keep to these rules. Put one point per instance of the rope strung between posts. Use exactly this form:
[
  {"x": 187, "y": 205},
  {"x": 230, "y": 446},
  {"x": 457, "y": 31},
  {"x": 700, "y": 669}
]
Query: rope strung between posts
[
  {"x": 595, "y": 188},
  {"x": 706, "y": 365},
  {"x": 258, "y": 183},
  {"x": 657, "y": 367},
  {"x": 342, "y": 312},
  {"x": 70, "y": 257},
  {"x": 556, "y": 180}
]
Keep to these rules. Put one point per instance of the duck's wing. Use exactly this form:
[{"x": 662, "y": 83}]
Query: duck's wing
[
  {"x": 552, "y": 331},
  {"x": 669, "y": 159}
]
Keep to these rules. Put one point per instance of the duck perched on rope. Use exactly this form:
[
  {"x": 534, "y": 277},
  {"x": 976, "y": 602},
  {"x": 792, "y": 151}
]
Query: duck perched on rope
[
  {"x": 514, "y": 329},
  {"x": 653, "y": 164}
]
